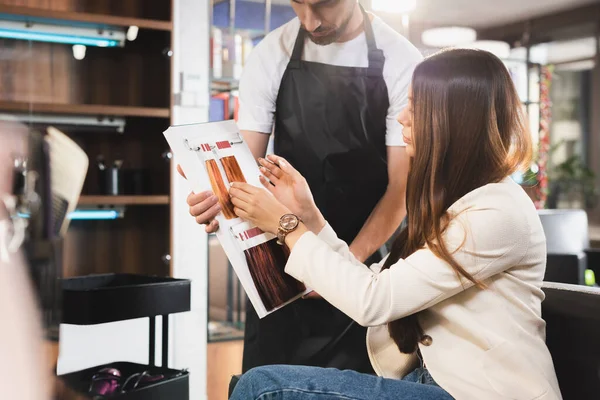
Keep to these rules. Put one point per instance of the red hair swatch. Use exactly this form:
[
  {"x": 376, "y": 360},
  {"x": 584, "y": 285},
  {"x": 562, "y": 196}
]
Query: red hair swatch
[
  {"x": 267, "y": 263},
  {"x": 219, "y": 188},
  {"x": 232, "y": 168}
]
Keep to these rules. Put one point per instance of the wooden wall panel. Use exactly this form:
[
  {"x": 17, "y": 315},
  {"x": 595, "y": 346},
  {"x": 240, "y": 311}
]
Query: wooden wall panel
[
  {"x": 137, "y": 75},
  {"x": 149, "y": 9}
]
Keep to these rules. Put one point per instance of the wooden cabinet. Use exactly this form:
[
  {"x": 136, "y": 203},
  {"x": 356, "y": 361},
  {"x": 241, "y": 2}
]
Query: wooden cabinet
[{"x": 43, "y": 84}]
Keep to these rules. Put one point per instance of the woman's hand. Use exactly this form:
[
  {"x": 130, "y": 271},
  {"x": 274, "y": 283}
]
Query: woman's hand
[
  {"x": 257, "y": 206},
  {"x": 291, "y": 189}
]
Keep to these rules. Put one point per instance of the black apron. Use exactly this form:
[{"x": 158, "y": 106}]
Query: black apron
[{"x": 330, "y": 124}]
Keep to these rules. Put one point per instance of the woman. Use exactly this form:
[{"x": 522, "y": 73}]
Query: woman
[{"x": 455, "y": 310}]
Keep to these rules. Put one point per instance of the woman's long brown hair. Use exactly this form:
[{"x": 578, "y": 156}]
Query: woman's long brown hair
[
  {"x": 218, "y": 187},
  {"x": 469, "y": 130}
]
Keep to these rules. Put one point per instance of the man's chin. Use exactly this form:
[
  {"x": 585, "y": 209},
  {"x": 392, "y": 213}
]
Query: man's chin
[{"x": 323, "y": 40}]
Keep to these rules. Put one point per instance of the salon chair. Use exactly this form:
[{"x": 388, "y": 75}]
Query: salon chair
[
  {"x": 572, "y": 314},
  {"x": 568, "y": 245}
]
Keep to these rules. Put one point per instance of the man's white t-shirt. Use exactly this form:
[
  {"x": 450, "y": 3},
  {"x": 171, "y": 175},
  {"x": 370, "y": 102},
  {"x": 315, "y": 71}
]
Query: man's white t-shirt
[{"x": 261, "y": 78}]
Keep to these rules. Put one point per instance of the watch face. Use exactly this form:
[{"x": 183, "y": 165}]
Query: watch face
[{"x": 289, "y": 222}]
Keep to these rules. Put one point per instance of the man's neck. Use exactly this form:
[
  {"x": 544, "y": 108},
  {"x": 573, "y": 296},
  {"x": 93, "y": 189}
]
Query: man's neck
[{"x": 355, "y": 26}]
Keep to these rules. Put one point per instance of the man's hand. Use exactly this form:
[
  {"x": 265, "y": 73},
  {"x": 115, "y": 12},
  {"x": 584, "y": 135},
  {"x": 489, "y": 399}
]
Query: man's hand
[{"x": 204, "y": 207}]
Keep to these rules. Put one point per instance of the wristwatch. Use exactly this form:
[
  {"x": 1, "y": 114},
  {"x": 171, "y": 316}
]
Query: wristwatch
[{"x": 287, "y": 224}]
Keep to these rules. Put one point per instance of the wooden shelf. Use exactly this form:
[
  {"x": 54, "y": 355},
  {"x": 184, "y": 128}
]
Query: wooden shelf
[
  {"x": 93, "y": 19},
  {"x": 84, "y": 109},
  {"x": 123, "y": 200}
]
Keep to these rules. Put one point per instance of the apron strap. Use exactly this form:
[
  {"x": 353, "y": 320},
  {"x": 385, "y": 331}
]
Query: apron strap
[
  {"x": 376, "y": 57},
  {"x": 298, "y": 48}
]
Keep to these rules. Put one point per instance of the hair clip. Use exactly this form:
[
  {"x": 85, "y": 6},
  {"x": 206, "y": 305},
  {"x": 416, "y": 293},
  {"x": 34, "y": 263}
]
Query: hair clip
[
  {"x": 187, "y": 144},
  {"x": 240, "y": 140}
]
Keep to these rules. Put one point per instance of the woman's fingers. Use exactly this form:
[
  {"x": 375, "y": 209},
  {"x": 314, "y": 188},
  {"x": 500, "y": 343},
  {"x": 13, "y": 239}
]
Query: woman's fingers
[
  {"x": 237, "y": 193},
  {"x": 266, "y": 172},
  {"x": 241, "y": 213},
  {"x": 245, "y": 187},
  {"x": 267, "y": 184},
  {"x": 272, "y": 170},
  {"x": 283, "y": 164}
]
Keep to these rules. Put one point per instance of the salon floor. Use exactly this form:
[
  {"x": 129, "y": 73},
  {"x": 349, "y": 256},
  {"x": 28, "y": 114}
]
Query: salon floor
[{"x": 224, "y": 361}]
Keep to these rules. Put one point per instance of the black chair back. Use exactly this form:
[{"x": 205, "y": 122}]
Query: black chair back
[{"x": 572, "y": 314}]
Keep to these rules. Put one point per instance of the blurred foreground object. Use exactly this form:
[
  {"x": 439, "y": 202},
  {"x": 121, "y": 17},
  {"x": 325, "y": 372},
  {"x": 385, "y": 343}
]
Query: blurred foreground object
[{"x": 41, "y": 176}]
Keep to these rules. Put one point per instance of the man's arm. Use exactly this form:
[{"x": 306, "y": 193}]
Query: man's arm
[
  {"x": 389, "y": 212},
  {"x": 257, "y": 142}
]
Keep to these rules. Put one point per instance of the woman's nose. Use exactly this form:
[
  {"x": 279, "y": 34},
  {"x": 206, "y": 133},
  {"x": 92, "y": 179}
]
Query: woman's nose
[{"x": 403, "y": 116}]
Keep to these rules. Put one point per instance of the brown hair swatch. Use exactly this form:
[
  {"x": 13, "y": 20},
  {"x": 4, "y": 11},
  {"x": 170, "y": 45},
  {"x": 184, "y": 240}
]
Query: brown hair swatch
[
  {"x": 232, "y": 168},
  {"x": 218, "y": 186},
  {"x": 266, "y": 263}
]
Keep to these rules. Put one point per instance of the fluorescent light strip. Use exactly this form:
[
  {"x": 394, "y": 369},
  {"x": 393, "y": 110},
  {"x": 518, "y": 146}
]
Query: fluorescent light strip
[
  {"x": 61, "y": 34},
  {"x": 88, "y": 215},
  {"x": 93, "y": 214},
  {"x": 56, "y": 38}
]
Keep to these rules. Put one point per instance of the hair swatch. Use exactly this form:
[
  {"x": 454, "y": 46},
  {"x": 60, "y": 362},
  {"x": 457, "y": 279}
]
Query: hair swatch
[
  {"x": 232, "y": 168},
  {"x": 218, "y": 184},
  {"x": 266, "y": 263}
]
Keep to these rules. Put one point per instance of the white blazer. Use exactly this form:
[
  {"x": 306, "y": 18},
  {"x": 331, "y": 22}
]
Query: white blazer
[{"x": 485, "y": 344}]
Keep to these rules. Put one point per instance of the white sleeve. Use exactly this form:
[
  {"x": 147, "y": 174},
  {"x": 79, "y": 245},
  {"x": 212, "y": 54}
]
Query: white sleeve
[
  {"x": 398, "y": 81},
  {"x": 259, "y": 86},
  {"x": 422, "y": 279}
]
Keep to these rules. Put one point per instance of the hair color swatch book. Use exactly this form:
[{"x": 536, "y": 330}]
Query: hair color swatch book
[{"x": 212, "y": 155}]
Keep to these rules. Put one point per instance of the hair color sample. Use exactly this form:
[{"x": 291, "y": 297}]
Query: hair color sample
[
  {"x": 219, "y": 188},
  {"x": 232, "y": 168},
  {"x": 266, "y": 263}
]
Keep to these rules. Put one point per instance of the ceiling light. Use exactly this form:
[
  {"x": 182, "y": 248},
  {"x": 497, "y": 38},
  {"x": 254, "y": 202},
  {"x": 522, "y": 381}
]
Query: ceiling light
[
  {"x": 132, "y": 33},
  {"x": 405, "y": 21},
  {"x": 393, "y": 6},
  {"x": 39, "y": 32},
  {"x": 448, "y": 36},
  {"x": 79, "y": 51},
  {"x": 496, "y": 47}
]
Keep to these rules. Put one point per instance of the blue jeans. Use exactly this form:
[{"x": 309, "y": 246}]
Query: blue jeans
[{"x": 288, "y": 382}]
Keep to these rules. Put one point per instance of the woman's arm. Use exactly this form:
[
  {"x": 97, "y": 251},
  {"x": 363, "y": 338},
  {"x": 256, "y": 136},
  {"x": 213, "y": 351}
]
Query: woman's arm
[
  {"x": 494, "y": 241},
  {"x": 328, "y": 236}
]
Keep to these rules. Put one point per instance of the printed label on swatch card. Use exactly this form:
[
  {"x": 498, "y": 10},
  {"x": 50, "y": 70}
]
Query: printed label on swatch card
[{"x": 249, "y": 236}]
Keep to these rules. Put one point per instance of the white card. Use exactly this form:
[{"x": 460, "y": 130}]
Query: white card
[{"x": 216, "y": 149}]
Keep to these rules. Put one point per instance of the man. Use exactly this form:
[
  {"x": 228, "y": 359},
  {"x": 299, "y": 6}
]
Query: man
[{"x": 330, "y": 84}]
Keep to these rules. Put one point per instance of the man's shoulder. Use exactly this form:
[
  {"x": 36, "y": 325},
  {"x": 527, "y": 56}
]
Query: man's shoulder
[{"x": 398, "y": 50}]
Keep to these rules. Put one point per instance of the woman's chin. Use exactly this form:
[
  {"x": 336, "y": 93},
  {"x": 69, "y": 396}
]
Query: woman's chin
[{"x": 410, "y": 150}]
